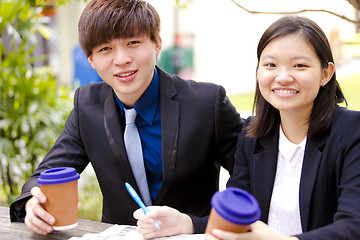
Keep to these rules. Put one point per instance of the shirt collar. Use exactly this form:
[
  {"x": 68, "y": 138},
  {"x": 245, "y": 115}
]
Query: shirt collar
[
  {"x": 287, "y": 148},
  {"x": 147, "y": 104}
]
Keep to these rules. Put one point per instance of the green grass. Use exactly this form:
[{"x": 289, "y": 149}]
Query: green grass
[
  {"x": 350, "y": 87},
  {"x": 243, "y": 102}
]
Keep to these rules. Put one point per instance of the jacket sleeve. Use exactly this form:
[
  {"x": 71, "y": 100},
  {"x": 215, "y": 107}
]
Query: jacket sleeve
[
  {"x": 346, "y": 220},
  {"x": 228, "y": 125},
  {"x": 241, "y": 176}
]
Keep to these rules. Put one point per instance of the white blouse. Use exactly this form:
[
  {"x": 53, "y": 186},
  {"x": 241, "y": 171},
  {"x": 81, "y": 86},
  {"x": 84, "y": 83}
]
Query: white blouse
[{"x": 284, "y": 212}]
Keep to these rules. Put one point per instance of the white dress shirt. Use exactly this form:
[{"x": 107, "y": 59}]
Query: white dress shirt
[{"x": 284, "y": 213}]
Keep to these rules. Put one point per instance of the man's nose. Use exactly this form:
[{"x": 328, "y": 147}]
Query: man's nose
[{"x": 122, "y": 57}]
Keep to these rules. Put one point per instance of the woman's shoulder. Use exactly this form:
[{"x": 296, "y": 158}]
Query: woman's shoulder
[
  {"x": 243, "y": 136},
  {"x": 344, "y": 115},
  {"x": 345, "y": 123}
]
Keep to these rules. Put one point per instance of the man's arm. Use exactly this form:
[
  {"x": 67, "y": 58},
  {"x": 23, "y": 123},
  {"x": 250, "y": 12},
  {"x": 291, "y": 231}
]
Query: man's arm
[{"x": 228, "y": 125}]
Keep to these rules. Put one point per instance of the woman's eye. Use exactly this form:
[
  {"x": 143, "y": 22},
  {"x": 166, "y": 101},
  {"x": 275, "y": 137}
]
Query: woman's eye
[
  {"x": 270, "y": 65},
  {"x": 300, "y": 65}
]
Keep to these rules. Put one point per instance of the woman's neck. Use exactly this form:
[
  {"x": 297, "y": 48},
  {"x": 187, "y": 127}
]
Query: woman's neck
[{"x": 295, "y": 126}]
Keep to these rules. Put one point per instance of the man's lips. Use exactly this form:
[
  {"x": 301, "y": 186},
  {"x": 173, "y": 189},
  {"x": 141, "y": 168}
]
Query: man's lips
[
  {"x": 125, "y": 74},
  {"x": 126, "y": 77}
]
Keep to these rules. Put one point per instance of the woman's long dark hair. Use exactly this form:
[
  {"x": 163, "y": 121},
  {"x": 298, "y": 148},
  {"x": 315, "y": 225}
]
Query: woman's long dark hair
[{"x": 329, "y": 95}]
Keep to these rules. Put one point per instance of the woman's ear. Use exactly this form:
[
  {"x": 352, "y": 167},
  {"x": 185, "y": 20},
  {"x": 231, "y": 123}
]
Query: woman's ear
[{"x": 327, "y": 74}]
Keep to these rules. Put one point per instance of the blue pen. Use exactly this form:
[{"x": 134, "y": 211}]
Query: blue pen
[{"x": 137, "y": 199}]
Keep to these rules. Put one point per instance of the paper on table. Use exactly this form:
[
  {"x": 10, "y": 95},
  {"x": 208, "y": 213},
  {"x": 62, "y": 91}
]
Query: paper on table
[{"x": 120, "y": 232}]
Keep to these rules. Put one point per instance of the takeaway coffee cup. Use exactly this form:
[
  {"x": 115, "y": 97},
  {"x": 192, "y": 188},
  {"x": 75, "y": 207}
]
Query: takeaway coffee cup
[
  {"x": 60, "y": 187},
  {"x": 233, "y": 210}
]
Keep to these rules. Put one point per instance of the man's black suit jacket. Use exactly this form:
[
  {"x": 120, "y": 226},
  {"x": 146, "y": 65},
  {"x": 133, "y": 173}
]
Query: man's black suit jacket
[
  {"x": 199, "y": 129},
  {"x": 330, "y": 179}
]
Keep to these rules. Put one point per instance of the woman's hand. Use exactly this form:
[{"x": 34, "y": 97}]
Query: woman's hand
[
  {"x": 171, "y": 222},
  {"x": 259, "y": 231}
]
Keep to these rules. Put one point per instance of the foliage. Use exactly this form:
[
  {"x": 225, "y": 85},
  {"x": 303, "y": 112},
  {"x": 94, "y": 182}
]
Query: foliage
[
  {"x": 33, "y": 108},
  {"x": 90, "y": 198},
  {"x": 183, "y": 4}
]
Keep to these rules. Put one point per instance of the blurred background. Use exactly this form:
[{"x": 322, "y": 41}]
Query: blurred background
[
  {"x": 218, "y": 39},
  {"x": 205, "y": 40}
]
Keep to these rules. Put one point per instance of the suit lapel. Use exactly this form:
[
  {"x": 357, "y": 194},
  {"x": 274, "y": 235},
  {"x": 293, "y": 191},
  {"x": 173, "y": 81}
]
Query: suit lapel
[
  {"x": 311, "y": 163},
  {"x": 170, "y": 112},
  {"x": 114, "y": 132},
  {"x": 264, "y": 165}
]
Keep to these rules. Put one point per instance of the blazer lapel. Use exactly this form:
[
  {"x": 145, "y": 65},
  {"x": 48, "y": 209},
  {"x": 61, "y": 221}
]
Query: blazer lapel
[
  {"x": 114, "y": 132},
  {"x": 264, "y": 165},
  {"x": 170, "y": 112},
  {"x": 312, "y": 158}
]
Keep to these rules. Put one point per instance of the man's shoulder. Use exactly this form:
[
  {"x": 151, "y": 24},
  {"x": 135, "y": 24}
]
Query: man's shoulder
[
  {"x": 93, "y": 91},
  {"x": 97, "y": 87}
]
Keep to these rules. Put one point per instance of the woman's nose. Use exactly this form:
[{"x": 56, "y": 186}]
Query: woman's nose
[{"x": 284, "y": 76}]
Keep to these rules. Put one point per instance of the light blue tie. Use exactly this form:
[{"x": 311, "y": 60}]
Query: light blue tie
[{"x": 135, "y": 155}]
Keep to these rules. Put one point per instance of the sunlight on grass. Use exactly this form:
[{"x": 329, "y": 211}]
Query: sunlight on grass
[
  {"x": 350, "y": 87},
  {"x": 243, "y": 102},
  {"x": 90, "y": 198}
]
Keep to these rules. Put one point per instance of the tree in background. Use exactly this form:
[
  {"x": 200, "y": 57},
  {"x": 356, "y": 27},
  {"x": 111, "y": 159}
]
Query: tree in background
[
  {"x": 33, "y": 108},
  {"x": 354, "y": 3}
]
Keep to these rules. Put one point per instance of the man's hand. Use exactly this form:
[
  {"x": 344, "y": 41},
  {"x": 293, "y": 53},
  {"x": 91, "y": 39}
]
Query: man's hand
[
  {"x": 37, "y": 218},
  {"x": 171, "y": 222}
]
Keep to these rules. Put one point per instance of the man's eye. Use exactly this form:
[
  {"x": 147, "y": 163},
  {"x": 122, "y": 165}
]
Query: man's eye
[
  {"x": 104, "y": 49},
  {"x": 133, "y": 42}
]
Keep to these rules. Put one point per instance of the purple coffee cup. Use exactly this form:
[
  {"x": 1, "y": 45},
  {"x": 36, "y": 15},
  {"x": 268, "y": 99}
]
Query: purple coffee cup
[
  {"x": 233, "y": 210},
  {"x": 58, "y": 175},
  {"x": 60, "y": 187}
]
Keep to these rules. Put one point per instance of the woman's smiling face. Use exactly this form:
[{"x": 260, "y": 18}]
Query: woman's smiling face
[{"x": 290, "y": 74}]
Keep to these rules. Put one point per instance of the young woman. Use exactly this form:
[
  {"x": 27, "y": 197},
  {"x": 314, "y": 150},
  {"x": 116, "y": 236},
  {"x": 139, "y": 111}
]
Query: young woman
[{"x": 300, "y": 153}]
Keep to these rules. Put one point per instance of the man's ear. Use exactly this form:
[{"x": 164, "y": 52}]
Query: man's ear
[
  {"x": 158, "y": 46},
  {"x": 327, "y": 74},
  {"x": 91, "y": 62}
]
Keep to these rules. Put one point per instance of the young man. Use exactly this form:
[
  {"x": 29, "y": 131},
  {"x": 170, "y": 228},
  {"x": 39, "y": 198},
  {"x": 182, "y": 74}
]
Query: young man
[{"x": 187, "y": 129}]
